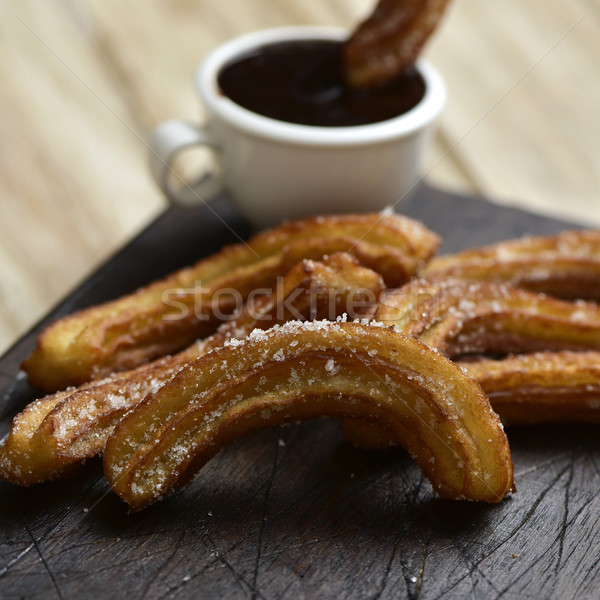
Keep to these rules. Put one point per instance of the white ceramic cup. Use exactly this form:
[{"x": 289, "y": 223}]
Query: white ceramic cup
[{"x": 275, "y": 170}]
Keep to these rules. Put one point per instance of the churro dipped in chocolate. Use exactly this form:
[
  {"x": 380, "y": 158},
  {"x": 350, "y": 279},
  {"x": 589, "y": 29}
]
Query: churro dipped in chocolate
[{"x": 389, "y": 41}]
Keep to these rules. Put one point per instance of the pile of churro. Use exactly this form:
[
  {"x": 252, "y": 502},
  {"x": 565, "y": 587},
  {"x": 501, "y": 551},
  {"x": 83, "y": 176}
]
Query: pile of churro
[{"x": 348, "y": 317}]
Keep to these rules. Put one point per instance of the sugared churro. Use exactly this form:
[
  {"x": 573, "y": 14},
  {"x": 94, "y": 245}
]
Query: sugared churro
[
  {"x": 566, "y": 265},
  {"x": 544, "y": 387},
  {"x": 460, "y": 318},
  {"x": 55, "y": 433},
  {"x": 527, "y": 389},
  {"x": 304, "y": 370},
  {"x": 170, "y": 314}
]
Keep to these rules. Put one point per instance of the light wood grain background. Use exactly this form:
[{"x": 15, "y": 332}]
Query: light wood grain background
[{"x": 84, "y": 81}]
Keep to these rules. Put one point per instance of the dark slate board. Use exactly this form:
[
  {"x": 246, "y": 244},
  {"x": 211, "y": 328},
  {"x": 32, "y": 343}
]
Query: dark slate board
[{"x": 297, "y": 512}]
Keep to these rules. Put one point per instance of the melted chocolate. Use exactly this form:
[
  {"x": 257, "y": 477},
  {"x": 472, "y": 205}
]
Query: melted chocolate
[{"x": 302, "y": 82}]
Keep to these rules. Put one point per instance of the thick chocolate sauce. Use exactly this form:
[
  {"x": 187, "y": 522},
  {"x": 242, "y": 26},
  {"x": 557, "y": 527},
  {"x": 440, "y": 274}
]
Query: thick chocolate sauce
[{"x": 302, "y": 82}]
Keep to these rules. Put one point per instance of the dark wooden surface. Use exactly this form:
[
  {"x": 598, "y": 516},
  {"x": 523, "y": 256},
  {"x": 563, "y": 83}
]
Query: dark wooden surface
[{"x": 297, "y": 512}]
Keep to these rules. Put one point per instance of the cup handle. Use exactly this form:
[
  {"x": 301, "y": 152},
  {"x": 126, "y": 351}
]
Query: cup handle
[{"x": 166, "y": 141}]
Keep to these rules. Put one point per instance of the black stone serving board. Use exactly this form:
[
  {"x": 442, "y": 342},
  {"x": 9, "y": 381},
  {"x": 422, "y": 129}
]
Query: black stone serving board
[{"x": 296, "y": 512}]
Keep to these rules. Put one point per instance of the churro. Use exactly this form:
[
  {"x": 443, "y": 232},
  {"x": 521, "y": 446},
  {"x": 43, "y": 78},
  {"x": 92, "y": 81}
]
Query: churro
[
  {"x": 53, "y": 434},
  {"x": 566, "y": 265},
  {"x": 460, "y": 318},
  {"x": 544, "y": 387},
  {"x": 304, "y": 370},
  {"x": 390, "y": 40},
  {"x": 170, "y": 314}
]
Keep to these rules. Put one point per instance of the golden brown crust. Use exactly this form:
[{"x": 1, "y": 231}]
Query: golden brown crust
[
  {"x": 528, "y": 389},
  {"x": 57, "y": 431},
  {"x": 390, "y": 40},
  {"x": 461, "y": 317},
  {"x": 545, "y": 387},
  {"x": 170, "y": 314},
  {"x": 566, "y": 265},
  {"x": 303, "y": 370}
]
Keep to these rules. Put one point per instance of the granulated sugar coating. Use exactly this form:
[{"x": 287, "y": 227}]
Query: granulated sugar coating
[
  {"x": 73, "y": 425},
  {"x": 566, "y": 265},
  {"x": 459, "y": 318},
  {"x": 336, "y": 369},
  {"x": 140, "y": 327}
]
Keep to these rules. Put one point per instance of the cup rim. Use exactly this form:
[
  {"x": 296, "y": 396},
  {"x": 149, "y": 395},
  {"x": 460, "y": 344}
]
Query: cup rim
[{"x": 265, "y": 127}]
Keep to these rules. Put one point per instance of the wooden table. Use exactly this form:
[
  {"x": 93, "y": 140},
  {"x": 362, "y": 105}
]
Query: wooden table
[{"x": 84, "y": 82}]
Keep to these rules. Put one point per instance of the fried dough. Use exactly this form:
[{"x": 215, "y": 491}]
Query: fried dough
[
  {"x": 170, "y": 314},
  {"x": 303, "y": 370},
  {"x": 390, "y": 40},
  {"x": 545, "y": 387},
  {"x": 54, "y": 433},
  {"x": 528, "y": 389},
  {"x": 459, "y": 318},
  {"x": 566, "y": 265},
  {"x": 462, "y": 318}
]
